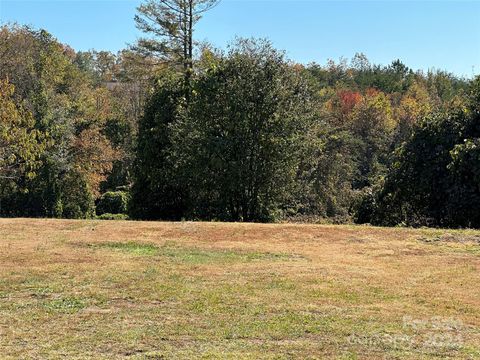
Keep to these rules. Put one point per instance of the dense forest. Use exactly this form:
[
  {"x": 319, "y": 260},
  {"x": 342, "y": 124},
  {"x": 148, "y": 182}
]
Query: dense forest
[{"x": 173, "y": 129}]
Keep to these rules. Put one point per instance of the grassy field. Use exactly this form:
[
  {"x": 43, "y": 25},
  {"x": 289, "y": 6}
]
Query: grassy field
[{"x": 107, "y": 290}]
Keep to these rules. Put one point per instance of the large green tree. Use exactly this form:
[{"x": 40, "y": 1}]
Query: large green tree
[{"x": 237, "y": 144}]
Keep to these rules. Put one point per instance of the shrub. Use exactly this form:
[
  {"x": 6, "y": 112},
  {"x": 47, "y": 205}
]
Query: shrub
[
  {"x": 112, "y": 217},
  {"x": 113, "y": 202}
]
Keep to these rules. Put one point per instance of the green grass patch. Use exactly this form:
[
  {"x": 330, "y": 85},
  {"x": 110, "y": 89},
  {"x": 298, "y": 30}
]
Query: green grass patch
[
  {"x": 65, "y": 305},
  {"x": 204, "y": 256},
  {"x": 130, "y": 247},
  {"x": 192, "y": 255}
]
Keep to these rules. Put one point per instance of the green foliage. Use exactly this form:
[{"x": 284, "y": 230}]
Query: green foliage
[
  {"x": 244, "y": 135},
  {"x": 157, "y": 193},
  {"x": 255, "y": 143},
  {"x": 21, "y": 145},
  {"x": 169, "y": 26},
  {"x": 76, "y": 200},
  {"x": 327, "y": 170},
  {"x": 108, "y": 216},
  {"x": 113, "y": 202},
  {"x": 434, "y": 180},
  {"x": 230, "y": 154},
  {"x": 63, "y": 136}
]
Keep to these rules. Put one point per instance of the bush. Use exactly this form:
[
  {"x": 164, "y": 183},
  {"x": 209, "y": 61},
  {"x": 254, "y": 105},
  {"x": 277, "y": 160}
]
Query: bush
[
  {"x": 113, "y": 202},
  {"x": 366, "y": 206},
  {"x": 113, "y": 217}
]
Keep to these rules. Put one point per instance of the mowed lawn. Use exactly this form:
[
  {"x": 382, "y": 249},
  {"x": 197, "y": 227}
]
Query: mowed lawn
[{"x": 139, "y": 290}]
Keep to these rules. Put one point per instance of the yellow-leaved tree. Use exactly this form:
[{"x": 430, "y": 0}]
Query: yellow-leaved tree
[{"x": 21, "y": 145}]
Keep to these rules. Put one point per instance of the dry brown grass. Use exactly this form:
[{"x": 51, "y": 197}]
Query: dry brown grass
[{"x": 103, "y": 290}]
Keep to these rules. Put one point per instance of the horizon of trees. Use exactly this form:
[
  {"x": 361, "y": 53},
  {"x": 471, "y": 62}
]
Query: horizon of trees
[{"x": 241, "y": 134}]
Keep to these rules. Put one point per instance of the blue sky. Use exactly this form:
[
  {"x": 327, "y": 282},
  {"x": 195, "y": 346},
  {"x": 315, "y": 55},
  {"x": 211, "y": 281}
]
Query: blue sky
[{"x": 423, "y": 34}]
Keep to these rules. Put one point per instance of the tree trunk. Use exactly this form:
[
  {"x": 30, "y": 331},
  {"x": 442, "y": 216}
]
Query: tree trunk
[{"x": 188, "y": 48}]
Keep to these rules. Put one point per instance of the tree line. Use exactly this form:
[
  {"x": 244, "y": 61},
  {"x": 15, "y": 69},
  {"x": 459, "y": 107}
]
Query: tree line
[{"x": 173, "y": 129}]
